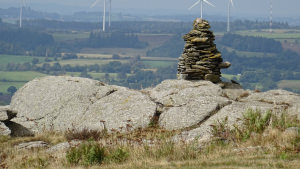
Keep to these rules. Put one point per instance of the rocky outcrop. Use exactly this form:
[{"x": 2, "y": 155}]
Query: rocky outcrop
[
  {"x": 4, "y": 130},
  {"x": 63, "y": 146},
  {"x": 32, "y": 145},
  {"x": 185, "y": 103},
  {"x": 6, "y": 114},
  {"x": 62, "y": 103},
  {"x": 200, "y": 59},
  {"x": 232, "y": 112}
]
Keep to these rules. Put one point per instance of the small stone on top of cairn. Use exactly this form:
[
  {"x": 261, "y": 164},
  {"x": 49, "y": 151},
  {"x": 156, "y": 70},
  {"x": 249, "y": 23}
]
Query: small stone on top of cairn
[{"x": 200, "y": 59}]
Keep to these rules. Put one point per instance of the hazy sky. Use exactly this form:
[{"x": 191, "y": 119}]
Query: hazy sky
[{"x": 258, "y": 8}]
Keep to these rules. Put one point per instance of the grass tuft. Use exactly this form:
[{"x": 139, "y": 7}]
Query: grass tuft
[
  {"x": 84, "y": 134},
  {"x": 86, "y": 154}
]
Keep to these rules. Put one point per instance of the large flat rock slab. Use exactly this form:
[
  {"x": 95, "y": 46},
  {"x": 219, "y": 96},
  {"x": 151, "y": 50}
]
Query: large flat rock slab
[
  {"x": 6, "y": 113},
  {"x": 284, "y": 98},
  {"x": 187, "y": 103},
  {"x": 62, "y": 103},
  {"x": 3, "y": 113},
  {"x": 279, "y": 101}
]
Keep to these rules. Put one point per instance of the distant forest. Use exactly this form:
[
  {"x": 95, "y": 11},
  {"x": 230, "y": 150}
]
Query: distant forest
[
  {"x": 38, "y": 43},
  {"x": 251, "y": 44},
  {"x": 115, "y": 39},
  {"x": 149, "y": 26}
]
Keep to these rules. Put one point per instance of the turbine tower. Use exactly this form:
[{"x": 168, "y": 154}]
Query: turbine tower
[
  {"x": 104, "y": 12},
  {"x": 230, "y": 3},
  {"x": 271, "y": 16},
  {"x": 201, "y": 2},
  {"x": 104, "y": 16},
  {"x": 109, "y": 17},
  {"x": 22, "y": 2}
]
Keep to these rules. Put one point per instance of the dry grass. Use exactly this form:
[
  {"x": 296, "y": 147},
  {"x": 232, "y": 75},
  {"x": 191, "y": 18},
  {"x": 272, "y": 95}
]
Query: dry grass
[{"x": 271, "y": 147}]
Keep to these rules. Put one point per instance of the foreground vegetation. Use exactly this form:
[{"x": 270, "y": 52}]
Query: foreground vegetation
[{"x": 263, "y": 140}]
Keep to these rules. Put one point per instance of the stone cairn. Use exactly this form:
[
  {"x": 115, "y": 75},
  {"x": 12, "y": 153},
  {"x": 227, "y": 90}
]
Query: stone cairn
[{"x": 200, "y": 59}]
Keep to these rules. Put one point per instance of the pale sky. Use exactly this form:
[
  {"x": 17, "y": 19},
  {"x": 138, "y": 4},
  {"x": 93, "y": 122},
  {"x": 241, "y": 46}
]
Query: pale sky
[{"x": 282, "y": 8}]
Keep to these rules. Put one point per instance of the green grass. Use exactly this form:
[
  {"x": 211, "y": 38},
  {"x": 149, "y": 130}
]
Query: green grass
[
  {"x": 83, "y": 62},
  {"x": 66, "y": 36},
  {"x": 277, "y": 34},
  {"x": 17, "y": 79},
  {"x": 248, "y": 54},
  {"x": 5, "y": 85},
  {"x": 5, "y": 59},
  {"x": 20, "y": 76},
  {"x": 130, "y": 52},
  {"x": 158, "y": 64},
  {"x": 230, "y": 76},
  {"x": 94, "y": 56},
  {"x": 281, "y": 35}
]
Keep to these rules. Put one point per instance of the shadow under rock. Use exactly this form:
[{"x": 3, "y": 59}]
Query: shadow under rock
[{"x": 18, "y": 130}]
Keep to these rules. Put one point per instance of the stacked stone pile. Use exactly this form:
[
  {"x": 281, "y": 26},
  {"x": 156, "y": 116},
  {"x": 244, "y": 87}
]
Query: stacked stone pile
[{"x": 200, "y": 59}]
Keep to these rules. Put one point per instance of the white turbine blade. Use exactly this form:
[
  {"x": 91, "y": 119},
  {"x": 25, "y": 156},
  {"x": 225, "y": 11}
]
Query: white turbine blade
[
  {"x": 231, "y": 1},
  {"x": 194, "y": 4},
  {"x": 94, "y": 4},
  {"x": 209, "y": 3}
]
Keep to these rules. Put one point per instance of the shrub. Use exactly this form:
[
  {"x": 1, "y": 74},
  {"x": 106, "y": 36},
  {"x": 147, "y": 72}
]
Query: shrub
[
  {"x": 254, "y": 121},
  {"x": 86, "y": 154},
  {"x": 84, "y": 134},
  {"x": 284, "y": 121},
  {"x": 119, "y": 155},
  {"x": 221, "y": 130},
  {"x": 164, "y": 149},
  {"x": 34, "y": 162}
]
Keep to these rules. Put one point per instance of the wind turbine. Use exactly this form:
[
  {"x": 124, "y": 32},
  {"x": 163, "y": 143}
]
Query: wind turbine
[
  {"x": 271, "y": 16},
  {"x": 109, "y": 17},
  {"x": 230, "y": 3},
  {"x": 22, "y": 3},
  {"x": 104, "y": 12},
  {"x": 201, "y": 2}
]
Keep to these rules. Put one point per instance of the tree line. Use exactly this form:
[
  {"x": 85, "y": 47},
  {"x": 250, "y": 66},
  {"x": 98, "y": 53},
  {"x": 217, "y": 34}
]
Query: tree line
[
  {"x": 115, "y": 39},
  {"x": 38, "y": 43},
  {"x": 149, "y": 26},
  {"x": 251, "y": 43}
]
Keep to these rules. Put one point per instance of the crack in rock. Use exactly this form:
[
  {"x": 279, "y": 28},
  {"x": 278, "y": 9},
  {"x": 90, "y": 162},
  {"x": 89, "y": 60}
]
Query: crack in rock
[{"x": 212, "y": 113}]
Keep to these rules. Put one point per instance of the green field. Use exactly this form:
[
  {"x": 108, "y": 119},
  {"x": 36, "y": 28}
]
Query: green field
[
  {"x": 158, "y": 64},
  {"x": 16, "y": 79},
  {"x": 83, "y": 62},
  {"x": 249, "y": 54},
  {"x": 67, "y": 36},
  {"x": 128, "y": 52},
  {"x": 5, "y": 59},
  {"x": 19, "y": 76},
  {"x": 230, "y": 76},
  {"x": 280, "y": 34},
  {"x": 94, "y": 56},
  {"x": 5, "y": 85}
]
